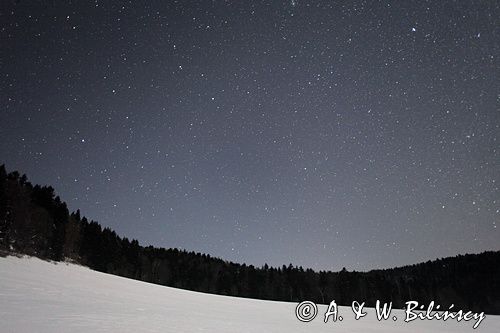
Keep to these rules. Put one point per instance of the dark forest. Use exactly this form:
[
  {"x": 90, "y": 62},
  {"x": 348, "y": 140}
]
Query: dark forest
[{"x": 34, "y": 221}]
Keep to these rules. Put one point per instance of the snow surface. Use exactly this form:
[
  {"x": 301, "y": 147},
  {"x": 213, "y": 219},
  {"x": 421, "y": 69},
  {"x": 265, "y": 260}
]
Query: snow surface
[{"x": 39, "y": 296}]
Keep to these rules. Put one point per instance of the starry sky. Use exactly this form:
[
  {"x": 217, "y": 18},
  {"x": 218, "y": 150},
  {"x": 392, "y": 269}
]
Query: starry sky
[{"x": 326, "y": 134}]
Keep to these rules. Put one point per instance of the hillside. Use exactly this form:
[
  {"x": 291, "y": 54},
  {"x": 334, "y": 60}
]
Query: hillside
[{"x": 46, "y": 297}]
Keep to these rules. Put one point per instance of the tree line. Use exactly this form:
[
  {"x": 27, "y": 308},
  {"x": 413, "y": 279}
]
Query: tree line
[{"x": 34, "y": 221}]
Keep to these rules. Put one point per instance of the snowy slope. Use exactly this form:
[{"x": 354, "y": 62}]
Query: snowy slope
[{"x": 37, "y": 296}]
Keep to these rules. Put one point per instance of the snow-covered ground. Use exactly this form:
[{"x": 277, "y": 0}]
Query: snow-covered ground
[{"x": 38, "y": 296}]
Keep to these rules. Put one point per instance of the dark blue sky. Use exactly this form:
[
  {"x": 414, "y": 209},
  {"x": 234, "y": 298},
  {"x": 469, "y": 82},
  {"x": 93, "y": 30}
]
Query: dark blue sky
[{"x": 324, "y": 134}]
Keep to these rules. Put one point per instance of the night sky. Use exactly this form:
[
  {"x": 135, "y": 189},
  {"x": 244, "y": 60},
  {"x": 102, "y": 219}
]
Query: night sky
[{"x": 324, "y": 134}]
